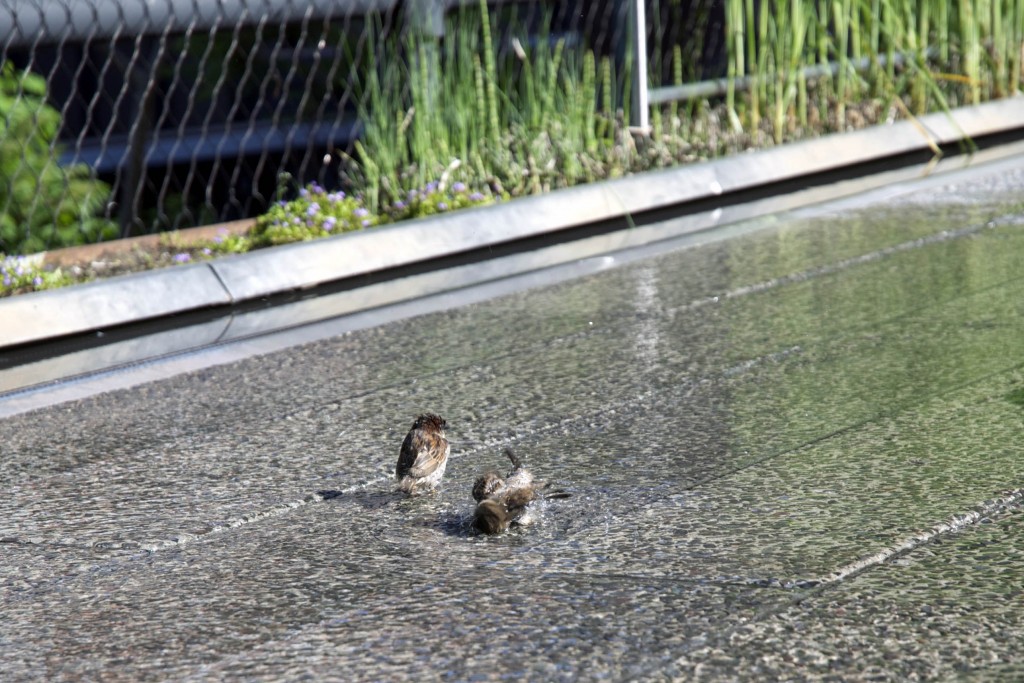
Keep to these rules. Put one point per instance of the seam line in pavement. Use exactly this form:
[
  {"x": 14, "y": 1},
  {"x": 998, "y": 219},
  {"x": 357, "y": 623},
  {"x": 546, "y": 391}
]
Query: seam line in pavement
[{"x": 958, "y": 522}]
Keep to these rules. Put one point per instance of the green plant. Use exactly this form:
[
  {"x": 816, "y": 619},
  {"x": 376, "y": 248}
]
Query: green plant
[
  {"x": 915, "y": 55},
  {"x": 314, "y": 213},
  {"x": 21, "y": 274},
  {"x": 433, "y": 199},
  {"x": 525, "y": 123},
  {"x": 42, "y": 204}
]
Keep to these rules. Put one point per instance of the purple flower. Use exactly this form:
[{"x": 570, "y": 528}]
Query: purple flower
[
  {"x": 399, "y": 205},
  {"x": 315, "y": 186},
  {"x": 182, "y": 258},
  {"x": 361, "y": 212},
  {"x": 207, "y": 251},
  {"x": 7, "y": 280},
  {"x": 476, "y": 197},
  {"x": 459, "y": 187},
  {"x": 37, "y": 280},
  {"x": 18, "y": 270},
  {"x": 336, "y": 196},
  {"x": 366, "y": 223},
  {"x": 218, "y": 239},
  {"x": 329, "y": 223},
  {"x": 303, "y": 192},
  {"x": 313, "y": 209},
  {"x": 441, "y": 206},
  {"x": 281, "y": 202},
  {"x": 431, "y": 186}
]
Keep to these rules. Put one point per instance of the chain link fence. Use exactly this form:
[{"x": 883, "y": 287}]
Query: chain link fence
[{"x": 124, "y": 117}]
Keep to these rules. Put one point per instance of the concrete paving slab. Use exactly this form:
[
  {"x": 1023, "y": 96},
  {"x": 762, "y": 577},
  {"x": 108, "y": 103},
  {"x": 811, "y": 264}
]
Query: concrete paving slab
[
  {"x": 626, "y": 577},
  {"x": 736, "y": 421},
  {"x": 231, "y": 608},
  {"x": 796, "y": 517},
  {"x": 950, "y": 610},
  {"x": 152, "y": 488}
]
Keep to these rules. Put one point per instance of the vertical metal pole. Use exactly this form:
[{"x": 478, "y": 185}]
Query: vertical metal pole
[
  {"x": 142, "y": 79},
  {"x": 640, "y": 113}
]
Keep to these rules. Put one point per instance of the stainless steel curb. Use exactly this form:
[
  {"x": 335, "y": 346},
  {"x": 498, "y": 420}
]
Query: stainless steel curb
[{"x": 82, "y": 308}]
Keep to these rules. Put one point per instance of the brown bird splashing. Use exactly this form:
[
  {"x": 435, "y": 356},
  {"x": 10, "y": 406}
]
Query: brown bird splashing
[{"x": 502, "y": 502}]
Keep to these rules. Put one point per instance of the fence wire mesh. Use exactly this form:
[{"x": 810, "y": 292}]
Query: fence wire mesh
[{"x": 124, "y": 117}]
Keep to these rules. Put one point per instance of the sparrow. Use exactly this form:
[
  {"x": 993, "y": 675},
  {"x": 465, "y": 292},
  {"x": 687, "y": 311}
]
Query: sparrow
[
  {"x": 503, "y": 502},
  {"x": 424, "y": 455},
  {"x": 486, "y": 485}
]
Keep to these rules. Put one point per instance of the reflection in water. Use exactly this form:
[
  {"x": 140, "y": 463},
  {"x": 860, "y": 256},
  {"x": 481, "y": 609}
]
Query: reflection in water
[{"x": 647, "y": 304}]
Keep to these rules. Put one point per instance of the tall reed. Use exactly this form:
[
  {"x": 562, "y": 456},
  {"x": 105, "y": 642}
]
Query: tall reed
[
  {"x": 539, "y": 116},
  {"x": 538, "y": 112},
  {"x": 928, "y": 54}
]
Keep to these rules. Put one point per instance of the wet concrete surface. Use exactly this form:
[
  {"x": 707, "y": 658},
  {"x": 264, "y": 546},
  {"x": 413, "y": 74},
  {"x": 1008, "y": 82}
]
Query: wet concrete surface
[{"x": 792, "y": 454}]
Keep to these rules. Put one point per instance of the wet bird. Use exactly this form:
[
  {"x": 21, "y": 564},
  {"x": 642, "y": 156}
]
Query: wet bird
[
  {"x": 424, "y": 455},
  {"x": 486, "y": 485},
  {"x": 503, "y": 502}
]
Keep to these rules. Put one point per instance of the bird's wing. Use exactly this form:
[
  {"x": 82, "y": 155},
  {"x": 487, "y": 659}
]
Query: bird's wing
[
  {"x": 422, "y": 453},
  {"x": 517, "y": 500},
  {"x": 406, "y": 457}
]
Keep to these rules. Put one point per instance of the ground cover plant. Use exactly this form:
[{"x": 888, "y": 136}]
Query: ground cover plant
[{"x": 526, "y": 112}]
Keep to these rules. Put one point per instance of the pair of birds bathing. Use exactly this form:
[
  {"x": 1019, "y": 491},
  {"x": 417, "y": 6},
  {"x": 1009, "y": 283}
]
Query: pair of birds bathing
[{"x": 501, "y": 501}]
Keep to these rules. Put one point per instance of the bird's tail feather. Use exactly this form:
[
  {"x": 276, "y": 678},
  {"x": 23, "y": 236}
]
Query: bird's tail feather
[{"x": 516, "y": 462}]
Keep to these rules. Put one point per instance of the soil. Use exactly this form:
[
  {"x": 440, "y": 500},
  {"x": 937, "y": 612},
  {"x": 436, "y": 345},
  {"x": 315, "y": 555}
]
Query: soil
[{"x": 135, "y": 254}]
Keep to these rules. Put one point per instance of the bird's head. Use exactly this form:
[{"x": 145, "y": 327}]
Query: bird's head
[
  {"x": 430, "y": 422},
  {"x": 486, "y": 485}
]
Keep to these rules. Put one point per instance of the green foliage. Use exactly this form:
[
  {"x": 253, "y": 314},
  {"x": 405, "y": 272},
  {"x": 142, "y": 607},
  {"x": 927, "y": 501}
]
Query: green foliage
[
  {"x": 520, "y": 125},
  {"x": 435, "y": 198},
  {"x": 457, "y": 123},
  {"x": 222, "y": 245},
  {"x": 21, "y": 274},
  {"x": 314, "y": 213},
  {"x": 42, "y": 205},
  {"x": 318, "y": 213}
]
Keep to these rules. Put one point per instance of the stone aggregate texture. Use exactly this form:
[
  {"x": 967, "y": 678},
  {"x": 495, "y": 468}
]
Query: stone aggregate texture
[{"x": 793, "y": 454}]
